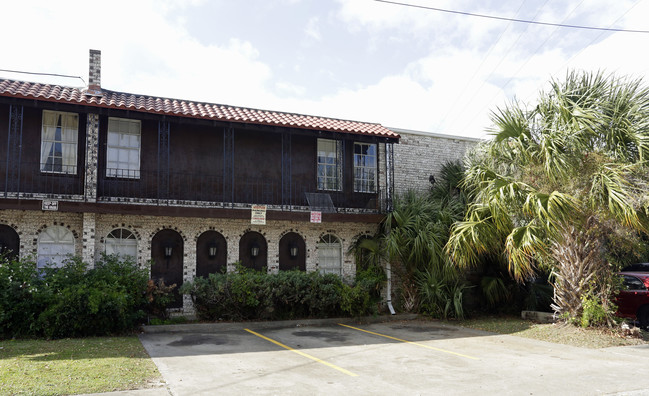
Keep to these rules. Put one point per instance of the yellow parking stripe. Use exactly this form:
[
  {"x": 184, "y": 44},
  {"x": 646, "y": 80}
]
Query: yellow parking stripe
[
  {"x": 306, "y": 355},
  {"x": 410, "y": 342}
]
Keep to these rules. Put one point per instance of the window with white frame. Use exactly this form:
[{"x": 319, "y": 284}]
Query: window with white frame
[
  {"x": 55, "y": 245},
  {"x": 121, "y": 242},
  {"x": 123, "y": 150},
  {"x": 365, "y": 167},
  {"x": 330, "y": 255},
  {"x": 329, "y": 165},
  {"x": 59, "y": 139}
]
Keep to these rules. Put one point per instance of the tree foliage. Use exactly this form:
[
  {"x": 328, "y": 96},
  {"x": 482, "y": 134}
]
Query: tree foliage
[{"x": 568, "y": 173}]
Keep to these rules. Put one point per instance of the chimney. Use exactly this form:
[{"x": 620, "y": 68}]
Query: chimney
[{"x": 94, "y": 73}]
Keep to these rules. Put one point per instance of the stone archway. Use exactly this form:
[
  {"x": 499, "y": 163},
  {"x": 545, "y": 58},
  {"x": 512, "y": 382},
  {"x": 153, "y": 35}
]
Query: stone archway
[
  {"x": 206, "y": 263},
  {"x": 292, "y": 252},
  {"x": 9, "y": 241},
  {"x": 167, "y": 252},
  {"x": 252, "y": 243}
]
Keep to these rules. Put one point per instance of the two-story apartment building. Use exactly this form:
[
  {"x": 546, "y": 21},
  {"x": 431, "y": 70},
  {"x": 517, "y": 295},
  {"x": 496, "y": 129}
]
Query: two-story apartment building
[{"x": 173, "y": 183}]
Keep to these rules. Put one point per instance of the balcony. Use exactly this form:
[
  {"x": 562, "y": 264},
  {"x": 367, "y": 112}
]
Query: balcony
[
  {"x": 28, "y": 181},
  {"x": 178, "y": 189},
  {"x": 203, "y": 189}
]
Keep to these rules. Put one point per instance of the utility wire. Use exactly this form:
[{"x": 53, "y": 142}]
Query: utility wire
[
  {"x": 42, "y": 74},
  {"x": 513, "y": 19}
]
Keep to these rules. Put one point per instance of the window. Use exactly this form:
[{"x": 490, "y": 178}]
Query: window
[
  {"x": 59, "y": 142},
  {"x": 365, "y": 167},
  {"x": 123, "y": 152},
  {"x": 330, "y": 255},
  {"x": 55, "y": 245},
  {"x": 329, "y": 167},
  {"x": 122, "y": 242},
  {"x": 633, "y": 283}
]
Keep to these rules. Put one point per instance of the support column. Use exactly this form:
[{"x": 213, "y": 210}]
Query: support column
[
  {"x": 14, "y": 150},
  {"x": 163, "y": 159},
  {"x": 389, "y": 162},
  {"x": 228, "y": 165},
  {"x": 287, "y": 198},
  {"x": 92, "y": 158},
  {"x": 88, "y": 238}
]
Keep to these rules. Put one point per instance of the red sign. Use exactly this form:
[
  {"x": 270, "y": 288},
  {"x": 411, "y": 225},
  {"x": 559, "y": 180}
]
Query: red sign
[{"x": 316, "y": 217}]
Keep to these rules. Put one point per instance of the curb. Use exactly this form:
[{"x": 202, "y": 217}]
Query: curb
[{"x": 225, "y": 326}]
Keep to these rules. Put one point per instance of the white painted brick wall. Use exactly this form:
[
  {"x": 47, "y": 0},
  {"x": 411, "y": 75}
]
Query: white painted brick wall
[
  {"x": 29, "y": 224},
  {"x": 419, "y": 155}
]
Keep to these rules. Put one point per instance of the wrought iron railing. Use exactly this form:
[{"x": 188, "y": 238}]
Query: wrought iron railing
[
  {"x": 28, "y": 180},
  {"x": 181, "y": 188}
]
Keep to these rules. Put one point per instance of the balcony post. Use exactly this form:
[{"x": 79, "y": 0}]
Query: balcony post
[
  {"x": 14, "y": 150},
  {"x": 92, "y": 158}
]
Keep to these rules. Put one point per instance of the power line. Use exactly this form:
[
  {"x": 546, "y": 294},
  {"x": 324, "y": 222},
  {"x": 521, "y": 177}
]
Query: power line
[
  {"x": 42, "y": 74},
  {"x": 513, "y": 19}
]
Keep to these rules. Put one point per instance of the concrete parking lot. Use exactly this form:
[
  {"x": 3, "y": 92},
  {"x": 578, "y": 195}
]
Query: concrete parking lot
[{"x": 407, "y": 357}]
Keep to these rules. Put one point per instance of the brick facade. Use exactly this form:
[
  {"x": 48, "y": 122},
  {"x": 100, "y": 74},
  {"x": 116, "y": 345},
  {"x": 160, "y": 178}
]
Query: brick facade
[
  {"x": 420, "y": 155},
  {"x": 90, "y": 231}
]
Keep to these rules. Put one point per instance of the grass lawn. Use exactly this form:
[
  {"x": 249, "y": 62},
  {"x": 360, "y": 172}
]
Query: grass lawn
[
  {"x": 73, "y": 366},
  {"x": 557, "y": 333}
]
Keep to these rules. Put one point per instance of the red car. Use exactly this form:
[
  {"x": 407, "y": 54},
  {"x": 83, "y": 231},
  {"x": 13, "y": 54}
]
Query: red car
[{"x": 633, "y": 300}]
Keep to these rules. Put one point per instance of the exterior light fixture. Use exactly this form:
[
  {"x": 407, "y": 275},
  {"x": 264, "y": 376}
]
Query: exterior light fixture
[
  {"x": 168, "y": 251},
  {"x": 211, "y": 251},
  {"x": 254, "y": 250},
  {"x": 293, "y": 250}
]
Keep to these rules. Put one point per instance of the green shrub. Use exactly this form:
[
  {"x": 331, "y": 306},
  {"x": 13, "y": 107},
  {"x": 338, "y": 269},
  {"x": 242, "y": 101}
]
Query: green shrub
[
  {"x": 247, "y": 294},
  {"x": 71, "y": 301},
  {"x": 20, "y": 288}
]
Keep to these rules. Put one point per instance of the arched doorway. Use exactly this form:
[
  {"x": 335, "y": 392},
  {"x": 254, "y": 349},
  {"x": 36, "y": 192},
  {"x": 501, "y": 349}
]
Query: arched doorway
[
  {"x": 9, "y": 241},
  {"x": 253, "y": 251},
  {"x": 211, "y": 253},
  {"x": 292, "y": 252},
  {"x": 167, "y": 252}
]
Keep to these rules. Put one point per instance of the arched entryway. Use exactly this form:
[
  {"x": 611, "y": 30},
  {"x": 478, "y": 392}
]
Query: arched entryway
[
  {"x": 292, "y": 252},
  {"x": 253, "y": 251},
  {"x": 167, "y": 252},
  {"x": 9, "y": 241},
  {"x": 211, "y": 253}
]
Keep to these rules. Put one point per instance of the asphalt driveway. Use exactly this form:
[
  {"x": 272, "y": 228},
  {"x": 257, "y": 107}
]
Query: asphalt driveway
[{"x": 406, "y": 357}]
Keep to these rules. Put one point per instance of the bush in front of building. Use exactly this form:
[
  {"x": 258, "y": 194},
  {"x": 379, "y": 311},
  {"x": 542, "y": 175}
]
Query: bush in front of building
[
  {"x": 246, "y": 295},
  {"x": 71, "y": 301}
]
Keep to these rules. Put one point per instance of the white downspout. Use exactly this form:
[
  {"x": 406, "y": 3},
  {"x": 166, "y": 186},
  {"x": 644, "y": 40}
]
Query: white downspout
[{"x": 388, "y": 270}]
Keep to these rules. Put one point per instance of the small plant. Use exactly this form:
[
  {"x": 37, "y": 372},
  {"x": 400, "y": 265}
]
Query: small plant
[{"x": 158, "y": 297}]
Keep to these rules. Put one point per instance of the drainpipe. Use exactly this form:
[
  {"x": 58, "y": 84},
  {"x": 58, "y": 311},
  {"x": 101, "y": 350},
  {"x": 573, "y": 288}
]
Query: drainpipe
[{"x": 388, "y": 269}]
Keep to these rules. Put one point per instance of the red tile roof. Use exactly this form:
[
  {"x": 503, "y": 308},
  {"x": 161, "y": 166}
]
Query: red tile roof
[{"x": 185, "y": 108}]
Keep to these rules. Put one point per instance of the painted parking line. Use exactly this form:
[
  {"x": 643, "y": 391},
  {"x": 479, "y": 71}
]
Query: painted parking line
[
  {"x": 410, "y": 342},
  {"x": 306, "y": 355}
]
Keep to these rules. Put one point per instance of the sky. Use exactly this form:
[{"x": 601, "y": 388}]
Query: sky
[{"x": 365, "y": 60}]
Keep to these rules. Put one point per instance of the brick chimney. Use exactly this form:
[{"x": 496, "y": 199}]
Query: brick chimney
[{"x": 94, "y": 73}]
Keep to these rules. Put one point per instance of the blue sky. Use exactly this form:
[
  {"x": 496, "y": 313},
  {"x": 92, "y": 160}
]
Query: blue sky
[{"x": 355, "y": 59}]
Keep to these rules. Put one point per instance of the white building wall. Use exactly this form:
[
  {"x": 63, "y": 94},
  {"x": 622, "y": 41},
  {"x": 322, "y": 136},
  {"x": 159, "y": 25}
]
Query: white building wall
[{"x": 420, "y": 155}]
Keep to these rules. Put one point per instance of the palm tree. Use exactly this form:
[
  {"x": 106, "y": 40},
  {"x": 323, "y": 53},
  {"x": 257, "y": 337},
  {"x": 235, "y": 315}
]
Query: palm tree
[
  {"x": 561, "y": 184},
  {"x": 413, "y": 239}
]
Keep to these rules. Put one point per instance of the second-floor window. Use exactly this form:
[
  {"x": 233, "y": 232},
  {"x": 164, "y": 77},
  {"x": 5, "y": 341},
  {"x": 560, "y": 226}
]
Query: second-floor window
[
  {"x": 59, "y": 142},
  {"x": 123, "y": 150},
  {"x": 329, "y": 166},
  {"x": 365, "y": 167}
]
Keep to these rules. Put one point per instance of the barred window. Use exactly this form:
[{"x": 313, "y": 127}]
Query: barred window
[
  {"x": 55, "y": 245},
  {"x": 123, "y": 152},
  {"x": 365, "y": 167},
  {"x": 329, "y": 165}
]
